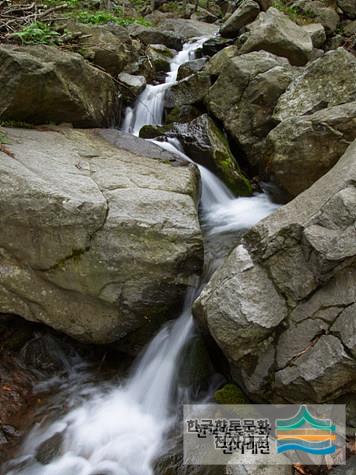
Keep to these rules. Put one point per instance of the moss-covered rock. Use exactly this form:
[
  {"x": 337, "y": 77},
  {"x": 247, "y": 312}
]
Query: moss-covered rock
[
  {"x": 160, "y": 57},
  {"x": 190, "y": 90},
  {"x": 230, "y": 394},
  {"x": 207, "y": 145},
  {"x": 153, "y": 131},
  {"x": 183, "y": 114},
  {"x": 190, "y": 67}
]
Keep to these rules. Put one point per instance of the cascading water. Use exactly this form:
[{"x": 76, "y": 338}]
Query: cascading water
[{"x": 120, "y": 430}]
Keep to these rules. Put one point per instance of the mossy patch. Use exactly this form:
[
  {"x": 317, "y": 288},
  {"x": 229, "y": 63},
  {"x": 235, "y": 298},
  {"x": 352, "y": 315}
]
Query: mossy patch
[
  {"x": 230, "y": 394},
  {"x": 227, "y": 167}
]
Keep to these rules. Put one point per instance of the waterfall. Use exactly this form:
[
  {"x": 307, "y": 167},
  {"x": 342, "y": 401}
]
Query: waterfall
[{"x": 120, "y": 430}]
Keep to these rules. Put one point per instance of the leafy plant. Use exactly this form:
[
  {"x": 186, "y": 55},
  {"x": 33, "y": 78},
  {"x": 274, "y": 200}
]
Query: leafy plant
[
  {"x": 293, "y": 12},
  {"x": 3, "y": 138},
  {"x": 38, "y": 33},
  {"x": 102, "y": 17}
]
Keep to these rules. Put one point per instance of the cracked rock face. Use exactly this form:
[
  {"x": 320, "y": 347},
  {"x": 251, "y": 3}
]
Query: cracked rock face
[
  {"x": 302, "y": 148},
  {"x": 273, "y": 31},
  {"x": 283, "y": 305},
  {"x": 245, "y": 95},
  {"x": 97, "y": 239}
]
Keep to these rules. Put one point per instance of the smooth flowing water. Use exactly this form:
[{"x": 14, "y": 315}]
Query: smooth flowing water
[{"x": 120, "y": 429}]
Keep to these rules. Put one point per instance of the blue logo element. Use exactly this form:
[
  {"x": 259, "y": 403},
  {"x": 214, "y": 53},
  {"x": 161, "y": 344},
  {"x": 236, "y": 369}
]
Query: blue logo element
[{"x": 306, "y": 433}]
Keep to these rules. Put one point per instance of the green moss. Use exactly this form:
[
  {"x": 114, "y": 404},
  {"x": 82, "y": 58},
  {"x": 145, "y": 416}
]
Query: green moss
[
  {"x": 153, "y": 131},
  {"x": 102, "y": 17},
  {"x": 4, "y": 139},
  {"x": 230, "y": 394},
  {"x": 227, "y": 167}
]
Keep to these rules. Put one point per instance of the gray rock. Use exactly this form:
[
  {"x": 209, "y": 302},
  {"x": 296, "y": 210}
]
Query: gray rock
[
  {"x": 100, "y": 240},
  {"x": 182, "y": 114},
  {"x": 160, "y": 56},
  {"x": 349, "y": 469},
  {"x": 348, "y": 7},
  {"x": 274, "y": 32},
  {"x": 350, "y": 28},
  {"x": 261, "y": 469},
  {"x": 317, "y": 33},
  {"x": 187, "y": 28},
  {"x": 240, "y": 306},
  {"x": 190, "y": 67},
  {"x": 206, "y": 144},
  {"x": 215, "y": 44},
  {"x": 50, "y": 448},
  {"x": 107, "y": 46},
  {"x": 156, "y": 36},
  {"x": 326, "y": 82},
  {"x": 217, "y": 63},
  {"x": 245, "y": 13},
  {"x": 293, "y": 338},
  {"x": 320, "y": 13},
  {"x": 301, "y": 149},
  {"x": 42, "y": 84},
  {"x": 244, "y": 97},
  {"x": 131, "y": 85},
  {"x": 188, "y": 91}
]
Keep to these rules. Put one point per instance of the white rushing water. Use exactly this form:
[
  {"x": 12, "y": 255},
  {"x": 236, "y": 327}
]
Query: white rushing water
[{"x": 121, "y": 430}]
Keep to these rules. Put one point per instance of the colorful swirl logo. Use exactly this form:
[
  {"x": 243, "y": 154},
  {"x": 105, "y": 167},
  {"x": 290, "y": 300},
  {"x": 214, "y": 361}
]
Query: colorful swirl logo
[{"x": 306, "y": 433}]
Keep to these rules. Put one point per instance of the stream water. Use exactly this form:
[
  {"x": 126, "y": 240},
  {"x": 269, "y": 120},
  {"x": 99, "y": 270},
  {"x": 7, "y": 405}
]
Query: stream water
[{"x": 119, "y": 429}]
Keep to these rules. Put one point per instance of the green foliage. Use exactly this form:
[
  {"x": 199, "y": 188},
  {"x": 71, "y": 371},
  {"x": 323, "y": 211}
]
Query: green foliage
[
  {"x": 69, "y": 3},
  {"x": 4, "y": 140},
  {"x": 101, "y": 17},
  {"x": 293, "y": 12},
  {"x": 38, "y": 33}
]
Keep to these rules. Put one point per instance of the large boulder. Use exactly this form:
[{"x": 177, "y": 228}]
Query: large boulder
[
  {"x": 99, "y": 238},
  {"x": 244, "y": 97},
  {"x": 301, "y": 149},
  {"x": 205, "y": 143},
  {"x": 107, "y": 46},
  {"x": 45, "y": 84},
  {"x": 273, "y": 31},
  {"x": 320, "y": 12},
  {"x": 187, "y": 29},
  {"x": 327, "y": 81},
  {"x": 348, "y": 7},
  {"x": 317, "y": 33},
  {"x": 245, "y": 13},
  {"x": 281, "y": 307},
  {"x": 131, "y": 85},
  {"x": 217, "y": 63},
  {"x": 188, "y": 91},
  {"x": 190, "y": 67},
  {"x": 149, "y": 35},
  {"x": 160, "y": 56}
]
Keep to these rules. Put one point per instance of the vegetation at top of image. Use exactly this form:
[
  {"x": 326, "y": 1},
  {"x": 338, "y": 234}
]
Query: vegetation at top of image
[
  {"x": 38, "y": 33},
  {"x": 101, "y": 17},
  {"x": 293, "y": 12}
]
